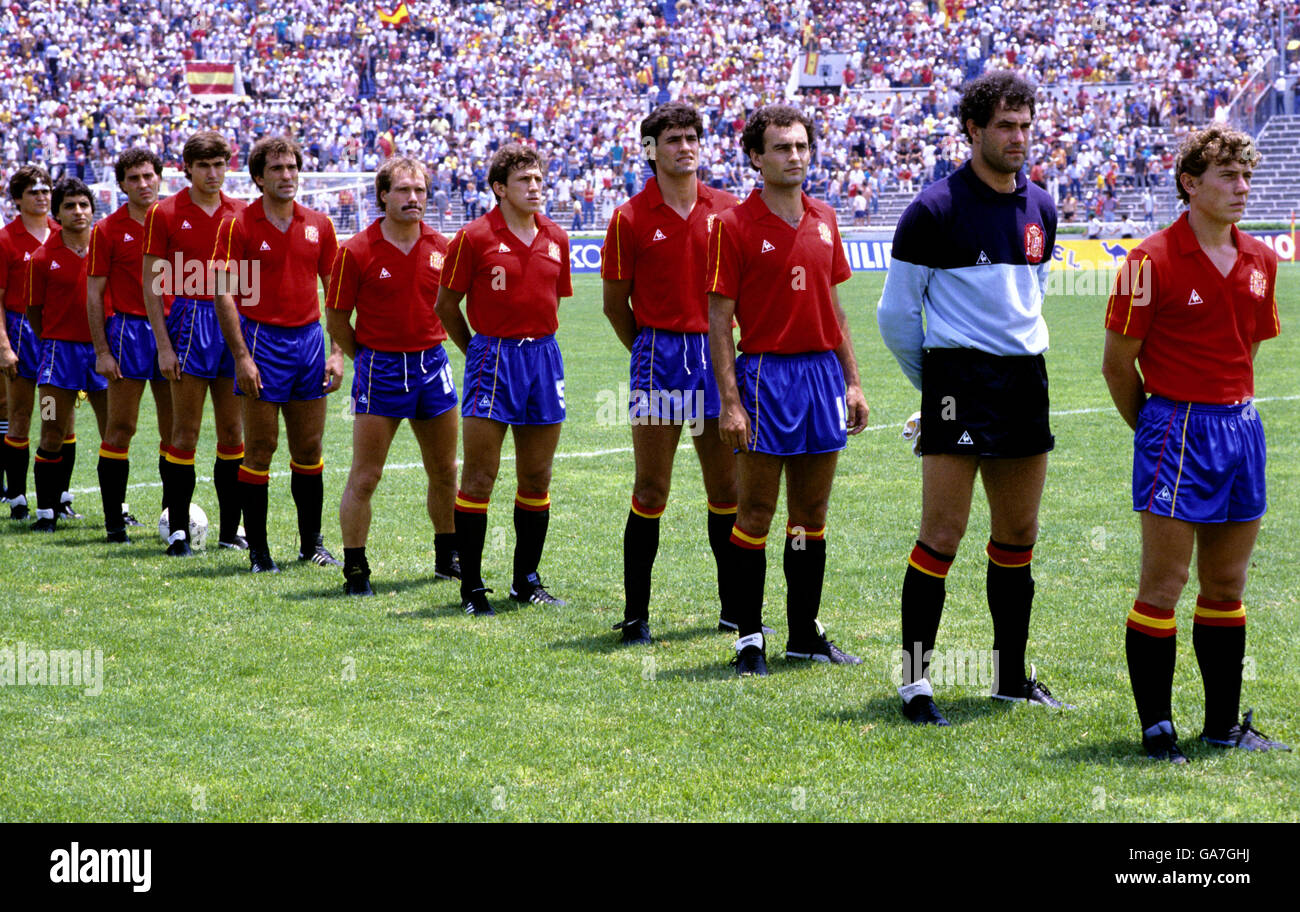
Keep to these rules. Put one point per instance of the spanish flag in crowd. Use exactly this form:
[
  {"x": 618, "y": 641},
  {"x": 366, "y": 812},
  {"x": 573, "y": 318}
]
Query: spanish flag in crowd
[
  {"x": 810, "y": 65},
  {"x": 210, "y": 78},
  {"x": 396, "y": 17}
]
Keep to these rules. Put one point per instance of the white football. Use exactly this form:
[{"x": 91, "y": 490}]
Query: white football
[{"x": 198, "y": 527}]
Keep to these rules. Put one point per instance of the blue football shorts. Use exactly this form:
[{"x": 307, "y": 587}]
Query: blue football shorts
[
  {"x": 290, "y": 360},
  {"x": 197, "y": 340},
  {"x": 1199, "y": 463},
  {"x": 69, "y": 365},
  {"x": 413, "y": 385},
  {"x": 795, "y": 402},
  {"x": 671, "y": 378},
  {"x": 132, "y": 342},
  {"x": 514, "y": 381},
  {"x": 25, "y": 344}
]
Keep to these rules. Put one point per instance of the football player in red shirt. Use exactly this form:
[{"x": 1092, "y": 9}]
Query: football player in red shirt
[
  {"x": 791, "y": 399},
  {"x": 126, "y": 352},
  {"x": 1191, "y": 306},
  {"x": 273, "y": 252},
  {"x": 56, "y": 309},
  {"x": 513, "y": 264},
  {"x": 180, "y": 233},
  {"x": 389, "y": 275},
  {"x": 653, "y": 270},
  {"x": 30, "y": 189}
]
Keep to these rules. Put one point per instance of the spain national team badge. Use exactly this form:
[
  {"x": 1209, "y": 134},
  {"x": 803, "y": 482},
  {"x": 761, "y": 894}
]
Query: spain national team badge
[
  {"x": 553, "y": 250},
  {"x": 708, "y": 225},
  {"x": 313, "y": 234},
  {"x": 1034, "y": 242},
  {"x": 1258, "y": 283},
  {"x": 824, "y": 230},
  {"x": 435, "y": 260}
]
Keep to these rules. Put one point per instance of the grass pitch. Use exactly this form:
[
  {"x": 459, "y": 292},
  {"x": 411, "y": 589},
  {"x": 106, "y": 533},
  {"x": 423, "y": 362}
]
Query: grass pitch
[{"x": 233, "y": 697}]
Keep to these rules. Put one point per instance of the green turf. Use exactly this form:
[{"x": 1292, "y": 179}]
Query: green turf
[{"x": 230, "y": 697}]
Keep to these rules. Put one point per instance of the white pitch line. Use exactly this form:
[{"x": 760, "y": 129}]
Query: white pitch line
[{"x": 592, "y": 454}]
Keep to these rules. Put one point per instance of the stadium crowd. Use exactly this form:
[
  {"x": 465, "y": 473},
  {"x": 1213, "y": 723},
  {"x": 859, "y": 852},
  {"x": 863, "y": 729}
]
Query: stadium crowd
[{"x": 575, "y": 77}]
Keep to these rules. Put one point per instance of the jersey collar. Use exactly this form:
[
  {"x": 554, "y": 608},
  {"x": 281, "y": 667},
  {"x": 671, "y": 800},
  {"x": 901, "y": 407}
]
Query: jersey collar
[
  {"x": 982, "y": 189},
  {"x": 758, "y": 209}
]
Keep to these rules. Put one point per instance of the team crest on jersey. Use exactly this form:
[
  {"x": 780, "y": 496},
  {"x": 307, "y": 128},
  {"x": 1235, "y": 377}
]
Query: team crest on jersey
[
  {"x": 313, "y": 234},
  {"x": 824, "y": 231},
  {"x": 1034, "y": 242},
  {"x": 708, "y": 224},
  {"x": 1258, "y": 283},
  {"x": 553, "y": 250},
  {"x": 435, "y": 260}
]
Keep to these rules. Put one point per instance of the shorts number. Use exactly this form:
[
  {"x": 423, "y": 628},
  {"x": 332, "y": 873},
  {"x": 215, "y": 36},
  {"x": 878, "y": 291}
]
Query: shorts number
[
  {"x": 844, "y": 412},
  {"x": 448, "y": 386},
  {"x": 559, "y": 392}
]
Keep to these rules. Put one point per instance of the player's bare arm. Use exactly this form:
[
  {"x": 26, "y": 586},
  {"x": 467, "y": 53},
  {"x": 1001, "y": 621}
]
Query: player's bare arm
[
  {"x": 616, "y": 294},
  {"x": 8, "y": 357},
  {"x": 733, "y": 423},
  {"x": 1119, "y": 368},
  {"x": 334, "y": 365},
  {"x": 246, "y": 373},
  {"x": 857, "y": 410},
  {"x": 448, "y": 310},
  {"x": 168, "y": 363},
  {"x": 338, "y": 323},
  {"x": 105, "y": 363}
]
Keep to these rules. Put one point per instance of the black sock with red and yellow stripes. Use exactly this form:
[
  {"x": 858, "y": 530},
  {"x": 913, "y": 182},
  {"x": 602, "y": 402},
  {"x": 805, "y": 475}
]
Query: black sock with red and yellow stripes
[
  {"x": 48, "y": 476},
  {"x": 1219, "y": 638},
  {"x": 17, "y": 457},
  {"x": 532, "y": 519},
  {"x": 69, "y": 454},
  {"x": 254, "y": 494},
  {"x": 1010, "y": 589},
  {"x": 471, "y": 530},
  {"x": 722, "y": 516},
  {"x": 178, "y": 489},
  {"x": 747, "y": 572},
  {"x": 804, "y": 563},
  {"x": 640, "y": 546},
  {"x": 163, "y": 450},
  {"x": 225, "y": 478},
  {"x": 307, "y": 485},
  {"x": 923, "y": 597},
  {"x": 1151, "y": 647},
  {"x": 113, "y": 468}
]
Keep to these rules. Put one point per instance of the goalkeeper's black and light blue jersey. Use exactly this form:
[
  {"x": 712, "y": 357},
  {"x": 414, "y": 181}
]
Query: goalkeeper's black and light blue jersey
[{"x": 976, "y": 262}]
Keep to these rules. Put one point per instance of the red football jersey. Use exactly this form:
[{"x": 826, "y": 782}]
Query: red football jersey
[
  {"x": 780, "y": 277},
  {"x": 117, "y": 252},
  {"x": 392, "y": 292},
  {"x": 1197, "y": 325},
  {"x": 288, "y": 262},
  {"x": 17, "y": 245},
  {"x": 514, "y": 289},
  {"x": 663, "y": 254},
  {"x": 178, "y": 226},
  {"x": 57, "y": 283}
]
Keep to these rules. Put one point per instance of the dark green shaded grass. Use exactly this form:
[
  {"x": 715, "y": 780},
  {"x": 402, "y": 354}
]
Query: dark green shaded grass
[{"x": 230, "y": 697}]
